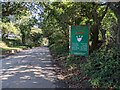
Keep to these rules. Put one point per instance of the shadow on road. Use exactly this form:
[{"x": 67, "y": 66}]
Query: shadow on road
[{"x": 30, "y": 69}]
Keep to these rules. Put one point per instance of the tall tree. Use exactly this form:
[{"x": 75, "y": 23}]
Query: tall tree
[
  {"x": 82, "y": 13},
  {"x": 115, "y": 6}
]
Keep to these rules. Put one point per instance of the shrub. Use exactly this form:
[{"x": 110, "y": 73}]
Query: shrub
[
  {"x": 2, "y": 44},
  {"x": 13, "y": 42},
  {"x": 59, "y": 48},
  {"x": 103, "y": 67},
  {"x": 36, "y": 37}
]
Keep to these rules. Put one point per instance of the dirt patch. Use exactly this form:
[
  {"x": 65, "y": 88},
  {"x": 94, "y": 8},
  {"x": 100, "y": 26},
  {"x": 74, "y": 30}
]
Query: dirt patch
[{"x": 72, "y": 76}]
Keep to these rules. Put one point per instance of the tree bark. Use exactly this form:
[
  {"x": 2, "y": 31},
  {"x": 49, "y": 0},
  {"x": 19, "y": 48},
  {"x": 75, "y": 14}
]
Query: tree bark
[
  {"x": 95, "y": 32},
  {"x": 116, "y": 10},
  {"x": 94, "y": 38},
  {"x": 23, "y": 39},
  {"x": 118, "y": 41}
]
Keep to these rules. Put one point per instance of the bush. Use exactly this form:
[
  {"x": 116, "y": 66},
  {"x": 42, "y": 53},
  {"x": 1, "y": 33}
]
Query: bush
[
  {"x": 59, "y": 48},
  {"x": 2, "y": 44},
  {"x": 13, "y": 42},
  {"x": 103, "y": 67},
  {"x": 36, "y": 38}
]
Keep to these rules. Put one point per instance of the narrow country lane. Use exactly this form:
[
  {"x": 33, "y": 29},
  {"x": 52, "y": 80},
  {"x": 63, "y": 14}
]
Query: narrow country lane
[{"x": 30, "y": 69}]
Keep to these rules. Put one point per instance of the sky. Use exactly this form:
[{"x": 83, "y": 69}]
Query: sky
[{"x": 35, "y": 9}]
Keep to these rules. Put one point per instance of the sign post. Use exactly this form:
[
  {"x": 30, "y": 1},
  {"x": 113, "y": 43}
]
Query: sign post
[{"x": 79, "y": 40}]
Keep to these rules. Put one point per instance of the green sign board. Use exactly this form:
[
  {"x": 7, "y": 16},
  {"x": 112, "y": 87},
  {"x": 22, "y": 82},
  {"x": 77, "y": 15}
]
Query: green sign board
[{"x": 79, "y": 39}]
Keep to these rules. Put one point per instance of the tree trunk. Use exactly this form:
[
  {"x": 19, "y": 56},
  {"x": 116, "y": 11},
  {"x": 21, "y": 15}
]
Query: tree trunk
[
  {"x": 118, "y": 30},
  {"x": 95, "y": 38},
  {"x": 23, "y": 39},
  {"x": 4, "y": 36},
  {"x": 115, "y": 7}
]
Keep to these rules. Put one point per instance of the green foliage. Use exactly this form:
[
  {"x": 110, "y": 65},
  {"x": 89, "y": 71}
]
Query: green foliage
[
  {"x": 70, "y": 60},
  {"x": 12, "y": 8},
  {"x": 13, "y": 42},
  {"x": 103, "y": 67},
  {"x": 5, "y": 49},
  {"x": 25, "y": 24},
  {"x": 36, "y": 37},
  {"x": 59, "y": 49},
  {"x": 2, "y": 44},
  {"x": 57, "y": 17},
  {"x": 7, "y": 28},
  {"x": 109, "y": 26}
]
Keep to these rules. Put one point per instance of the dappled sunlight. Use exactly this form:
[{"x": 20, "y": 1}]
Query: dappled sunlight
[
  {"x": 46, "y": 61},
  {"x": 22, "y": 66},
  {"x": 8, "y": 63},
  {"x": 35, "y": 82},
  {"x": 48, "y": 68},
  {"x": 26, "y": 66},
  {"x": 81, "y": 37},
  {"x": 42, "y": 59},
  {"x": 5, "y": 77},
  {"x": 49, "y": 56},
  {"x": 45, "y": 72},
  {"x": 21, "y": 56},
  {"x": 25, "y": 77}
]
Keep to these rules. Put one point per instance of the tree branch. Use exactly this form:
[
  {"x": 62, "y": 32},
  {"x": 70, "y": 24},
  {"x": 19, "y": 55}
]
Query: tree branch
[
  {"x": 104, "y": 13},
  {"x": 115, "y": 10}
]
